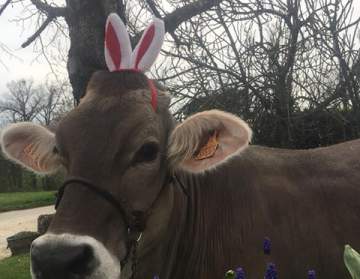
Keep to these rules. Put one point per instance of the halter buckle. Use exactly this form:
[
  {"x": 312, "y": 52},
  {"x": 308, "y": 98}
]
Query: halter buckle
[{"x": 136, "y": 239}]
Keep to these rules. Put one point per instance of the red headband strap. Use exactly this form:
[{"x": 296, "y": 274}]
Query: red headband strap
[{"x": 154, "y": 94}]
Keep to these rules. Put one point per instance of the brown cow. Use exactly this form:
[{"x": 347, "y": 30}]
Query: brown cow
[{"x": 198, "y": 216}]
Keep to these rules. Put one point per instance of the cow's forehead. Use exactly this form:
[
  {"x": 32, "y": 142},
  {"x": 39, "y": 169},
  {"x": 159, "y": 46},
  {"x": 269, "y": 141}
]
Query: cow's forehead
[
  {"x": 115, "y": 83},
  {"x": 113, "y": 90},
  {"x": 116, "y": 111},
  {"x": 119, "y": 101},
  {"x": 95, "y": 133},
  {"x": 125, "y": 112}
]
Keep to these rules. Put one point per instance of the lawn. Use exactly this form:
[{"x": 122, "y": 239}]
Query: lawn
[
  {"x": 23, "y": 200},
  {"x": 17, "y": 267}
]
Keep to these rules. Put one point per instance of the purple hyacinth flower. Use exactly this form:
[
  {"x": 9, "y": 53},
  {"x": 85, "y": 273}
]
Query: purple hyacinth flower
[
  {"x": 240, "y": 274},
  {"x": 156, "y": 277},
  {"x": 311, "y": 274},
  {"x": 270, "y": 272},
  {"x": 267, "y": 246}
]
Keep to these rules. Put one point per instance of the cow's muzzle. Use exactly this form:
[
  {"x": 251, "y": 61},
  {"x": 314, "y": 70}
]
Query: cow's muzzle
[
  {"x": 63, "y": 260},
  {"x": 69, "y": 256}
]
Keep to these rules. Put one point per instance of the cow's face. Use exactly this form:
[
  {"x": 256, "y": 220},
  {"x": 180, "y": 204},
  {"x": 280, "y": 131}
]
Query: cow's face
[{"x": 115, "y": 140}]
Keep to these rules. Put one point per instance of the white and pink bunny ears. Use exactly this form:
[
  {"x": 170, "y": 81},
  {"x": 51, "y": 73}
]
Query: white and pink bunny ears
[{"x": 119, "y": 55}]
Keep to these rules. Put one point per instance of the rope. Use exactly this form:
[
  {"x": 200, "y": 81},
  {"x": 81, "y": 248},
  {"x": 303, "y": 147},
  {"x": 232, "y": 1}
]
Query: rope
[{"x": 134, "y": 259}]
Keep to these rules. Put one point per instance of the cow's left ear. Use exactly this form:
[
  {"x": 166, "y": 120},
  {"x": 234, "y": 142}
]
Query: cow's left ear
[
  {"x": 206, "y": 140},
  {"x": 31, "y": 146}
]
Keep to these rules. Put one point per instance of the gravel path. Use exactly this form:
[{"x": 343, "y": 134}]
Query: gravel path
[{"x": 20, "y": 220}]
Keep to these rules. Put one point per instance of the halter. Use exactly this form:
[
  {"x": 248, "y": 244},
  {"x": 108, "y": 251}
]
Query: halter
[{"x": 134, "y": 220}]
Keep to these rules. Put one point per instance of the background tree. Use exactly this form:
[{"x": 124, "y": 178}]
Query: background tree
[
  {"x": 45, "y": 103},
  {"x": 287, "y": 67},
  {"x": 22, "y": 102},
  {"x": 55, "y": 102},
  {"x": 85, "y": 21}
]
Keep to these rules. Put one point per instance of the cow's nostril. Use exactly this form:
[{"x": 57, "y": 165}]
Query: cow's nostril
[
  {"x": 62, "y": 260},
  {"x": 83, "y": 261}
]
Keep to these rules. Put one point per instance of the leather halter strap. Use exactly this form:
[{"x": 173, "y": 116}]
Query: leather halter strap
[{"x": 135, "y": 222}]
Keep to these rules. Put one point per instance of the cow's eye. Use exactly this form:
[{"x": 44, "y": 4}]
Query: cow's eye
[{"x": 148, "y": 152}]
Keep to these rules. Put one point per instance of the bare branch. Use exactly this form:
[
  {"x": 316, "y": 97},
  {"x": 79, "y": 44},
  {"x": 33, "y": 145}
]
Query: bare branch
[
  {"x": 3, "y": 7},
  {"x": 49, "y": 10},
  {"x": 180, "y": 15},
  {"x": 38, "y": 32},
  {"x": 153, "y": 8}
]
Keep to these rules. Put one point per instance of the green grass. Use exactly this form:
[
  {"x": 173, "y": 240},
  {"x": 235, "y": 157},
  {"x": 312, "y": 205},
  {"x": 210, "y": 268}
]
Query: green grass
[
  {"x": 23, "y": 200},
  {"x": 17, "y": 267}
]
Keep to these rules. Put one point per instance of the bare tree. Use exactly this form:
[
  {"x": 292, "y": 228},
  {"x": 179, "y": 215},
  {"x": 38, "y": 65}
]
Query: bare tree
[
  {"x": 267, "y": 62},
  {"x": 45, "y": 103},
  {"x": 86, "y": 20},
  {"x": 22, "y": 102},
  {"x": 55, "y": 102},
  {"x": 338, "y": 30}
]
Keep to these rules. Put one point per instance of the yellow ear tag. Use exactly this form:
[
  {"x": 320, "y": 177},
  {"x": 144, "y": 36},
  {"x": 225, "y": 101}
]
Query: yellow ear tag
[{"x": 209, "y": 149}]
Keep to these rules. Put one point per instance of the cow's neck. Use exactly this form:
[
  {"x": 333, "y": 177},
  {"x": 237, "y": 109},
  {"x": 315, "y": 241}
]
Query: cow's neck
[
  {"x": 158, "y": 249},
  {"x": 171, "y": 252},
  {"x": 188, "y": 254},
  {"x": 206, "y": 225}
]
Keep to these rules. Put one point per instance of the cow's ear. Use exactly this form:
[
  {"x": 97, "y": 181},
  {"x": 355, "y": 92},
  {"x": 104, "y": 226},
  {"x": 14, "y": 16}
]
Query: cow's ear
[
  {"x": 31, "y": 146},
  {"x": 206, "y": 140}
]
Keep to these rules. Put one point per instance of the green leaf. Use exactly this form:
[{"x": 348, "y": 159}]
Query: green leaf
[{"x": 352, "y": 261}]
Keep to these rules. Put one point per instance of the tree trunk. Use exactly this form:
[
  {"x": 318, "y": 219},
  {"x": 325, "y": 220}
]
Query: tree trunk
[{"x": 86, "y": 21}]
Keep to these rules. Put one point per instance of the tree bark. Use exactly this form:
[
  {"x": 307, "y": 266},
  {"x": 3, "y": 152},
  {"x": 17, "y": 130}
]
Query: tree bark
[{"x": 86, "y": 21}]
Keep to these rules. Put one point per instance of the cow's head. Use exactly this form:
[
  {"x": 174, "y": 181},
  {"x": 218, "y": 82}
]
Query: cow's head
[{"x": 126, "y": 147}]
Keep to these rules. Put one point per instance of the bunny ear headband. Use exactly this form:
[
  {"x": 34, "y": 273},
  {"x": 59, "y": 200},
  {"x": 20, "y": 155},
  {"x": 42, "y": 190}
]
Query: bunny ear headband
[{"x": 119, "y": 55}]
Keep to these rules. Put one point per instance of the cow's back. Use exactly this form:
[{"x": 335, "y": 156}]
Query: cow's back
[{"x": 306, "y": 202}]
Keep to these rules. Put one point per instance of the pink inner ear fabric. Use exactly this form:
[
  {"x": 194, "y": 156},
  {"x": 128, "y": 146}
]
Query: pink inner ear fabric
[
  {"x": 145, "y": 43},
  {"x": 113, "y": 46}
]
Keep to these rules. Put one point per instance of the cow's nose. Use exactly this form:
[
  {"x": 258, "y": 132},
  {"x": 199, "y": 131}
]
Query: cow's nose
[{"x": 61, "y": 260}]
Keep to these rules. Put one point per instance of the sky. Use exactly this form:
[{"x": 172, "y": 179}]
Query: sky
[
  {"x": 23, "y": 62},
  {"x": 26, "y": 63}
]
